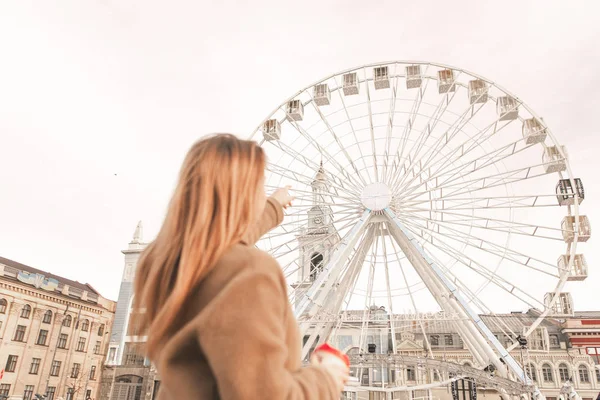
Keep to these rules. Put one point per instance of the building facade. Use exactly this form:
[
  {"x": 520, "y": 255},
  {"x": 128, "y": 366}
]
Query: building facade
[{"x": 53, "y": 334}]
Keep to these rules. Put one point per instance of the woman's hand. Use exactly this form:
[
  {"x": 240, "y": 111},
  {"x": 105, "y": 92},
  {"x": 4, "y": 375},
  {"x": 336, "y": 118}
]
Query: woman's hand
[
  {"x": 334, "y": 365},
  {"x": 283, "y": 196}
]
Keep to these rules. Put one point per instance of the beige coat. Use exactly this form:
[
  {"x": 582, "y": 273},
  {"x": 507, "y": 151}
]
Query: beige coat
[{"x": 239, "y": 338}]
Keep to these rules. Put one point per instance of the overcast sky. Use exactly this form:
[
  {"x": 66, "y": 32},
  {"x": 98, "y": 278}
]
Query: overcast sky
[{"x": 100, "y": 100}]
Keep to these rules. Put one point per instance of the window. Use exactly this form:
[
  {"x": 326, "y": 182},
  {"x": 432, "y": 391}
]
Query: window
[
  {"x": 55, "y": 369},
  {"x": 597, "y": 375},
  {"x": 70, "y": 392},
  {"x": 42, "y": 337},
  {"x": 11, "y": 363},
  {"x": 75, "y": 370},
  {"x": 88, "y": 394},
  {"x": 20, "y": 333},
  {"x": 93, "y": 373},
  {"x": 67, "y": 321},
  {"x": 554, "y": 342},
  {"x": 26, "y": 311},
  {"x": 4, "y": 389},
  {"x": 47, "y": 317},
  {"x": 81, "y": 344},
  {"x": 35, "y": 366},
  {"x": 3, "y": 305},
  {"x": 50, "y": 393},
  {"x": 85, "y": 325},
  {"x": 435, "y": 340},
  {"x": 584, "y": 374},
  {"x": 62, "y": 341},
  {"x": 28, "y": 393},
  {"x": 547, "y": 373},
  {"x": 448, "y": 340},
  {"x": 563, "y": 372},
  {"x": 316, "y": 265},
  {"x": 97, "y": 347},
  {"x": 410, "y": 373},
  {"x": 531, "y": 372},
  {"x": 594, "y": 352},
  {"x": 101, "y": 330},
  {"x": 436, "y": 376}
]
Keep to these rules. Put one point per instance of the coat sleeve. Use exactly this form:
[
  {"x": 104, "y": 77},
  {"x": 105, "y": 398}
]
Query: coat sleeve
[
  {"x": 243, "y": 339},
  {"x": 271, "y": 217}
]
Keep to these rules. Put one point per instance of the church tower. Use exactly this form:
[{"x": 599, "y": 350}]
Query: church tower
[
  {"x": 319, "y": 237},
  {"x": 122, "y": 314}
]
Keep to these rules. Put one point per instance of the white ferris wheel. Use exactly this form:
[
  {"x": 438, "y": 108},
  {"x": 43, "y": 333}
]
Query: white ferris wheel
[{"x": 426, "y": 195}]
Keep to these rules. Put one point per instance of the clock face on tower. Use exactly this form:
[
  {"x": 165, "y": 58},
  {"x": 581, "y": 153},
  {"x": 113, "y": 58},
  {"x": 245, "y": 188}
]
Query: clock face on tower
[{"x": 318, "y": 220}]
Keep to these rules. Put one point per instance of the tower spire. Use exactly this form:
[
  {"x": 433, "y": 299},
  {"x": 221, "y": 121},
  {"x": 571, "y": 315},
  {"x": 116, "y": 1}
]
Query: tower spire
[{"x": 138, "y": 235}]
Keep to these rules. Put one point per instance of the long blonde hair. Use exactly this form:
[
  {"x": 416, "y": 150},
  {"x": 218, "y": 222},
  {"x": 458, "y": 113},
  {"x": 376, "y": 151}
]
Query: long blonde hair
[{"x": 211, "y": 210}]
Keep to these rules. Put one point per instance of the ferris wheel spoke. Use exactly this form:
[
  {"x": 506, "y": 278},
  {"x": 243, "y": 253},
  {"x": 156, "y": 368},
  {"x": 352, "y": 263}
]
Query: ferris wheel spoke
[
  {"x": 434, "y": 119},
  {"x": 480, "y": 269},
  {"x": 476, "y": 165},
  {"x": 481, "y": 203},
  {"x": 481, "y": 183},
  {"x": 472, "y": 142},
  {"x": 372, "y": 132},
  {"x": 442, "y": 141},
  {"x": 349, "y": 119},
  {"x": 480, "y": 244},
  {"x": 323, "y": 151},
  {"x": 305, "y": 180},
  {"x": 342, "y": 148},
  {"x": 390, "y": 125},
  {"x": 398, "y": 157},
  {"x": 495, "y": 224},
  {"x": 472, "y": 167},
  {"x": 413, "y": 157},
  {"x": 338, "y": 183}
]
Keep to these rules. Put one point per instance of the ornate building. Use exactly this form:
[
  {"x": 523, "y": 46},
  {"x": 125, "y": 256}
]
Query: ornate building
[{"x": 53, "y": 334}]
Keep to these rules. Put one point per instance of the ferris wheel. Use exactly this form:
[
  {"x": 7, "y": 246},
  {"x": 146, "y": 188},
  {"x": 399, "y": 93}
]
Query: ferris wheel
[{"x": 424, "y": 193}]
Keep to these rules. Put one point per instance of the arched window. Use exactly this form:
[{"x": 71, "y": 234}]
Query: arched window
[
  {"x": 47, "y": 317},
  {"x": 101, "y": 330},
  {"x": 547, "y": 373},
  {"x": 67, "y": 321},
  {"x": 85, "y": 325},
  {"x": 584, "y": 374},
  {"x": 467, "y": 364},
  {"x": 316, "y": 265},
  {"x": 3, "y": 305},
  {"x": 563, "y": 372},
  {"x": 26, "y": 311},
  {"x": 530, "y": 369}
]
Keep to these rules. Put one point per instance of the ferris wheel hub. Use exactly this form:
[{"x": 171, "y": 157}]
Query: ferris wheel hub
[{"x": 376, "y": 196}]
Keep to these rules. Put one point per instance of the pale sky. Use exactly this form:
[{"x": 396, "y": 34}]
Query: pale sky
[{"x": 100, "y": 100}]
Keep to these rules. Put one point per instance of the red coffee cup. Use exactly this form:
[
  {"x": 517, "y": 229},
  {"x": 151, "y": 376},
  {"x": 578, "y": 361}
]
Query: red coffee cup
[{"x": 327, "y": 354}]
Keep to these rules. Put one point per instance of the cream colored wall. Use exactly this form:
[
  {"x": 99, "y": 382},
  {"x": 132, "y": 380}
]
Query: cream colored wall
[{"x": 18, "y": 295}]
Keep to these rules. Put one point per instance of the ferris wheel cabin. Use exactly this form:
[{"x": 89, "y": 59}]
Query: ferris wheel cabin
[
  {"x": 562, "y": 306},
  {"x": 568, "y": 229},
  {"x": 351, "y": 84},
  {"x": 272, "y": 130},
  {"x": 478, "y": 91},
  {"x": 507, "y": 108},
  {"x": 413, "y": 76},
  {"x": 533, "y": 131},
  {"x": 381, "y": 78},
  {"x": 565, "y": 193},
  {"x": 579, "y": 269},
  {"x": 446, "y": 81},
  {"x": 322, "y": 94},
  {"x": 295, "y": 110},
  {"x": 553, "y": 160}
]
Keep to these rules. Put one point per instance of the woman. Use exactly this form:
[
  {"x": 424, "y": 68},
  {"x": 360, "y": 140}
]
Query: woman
[{"x": 214, "y": 308}]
